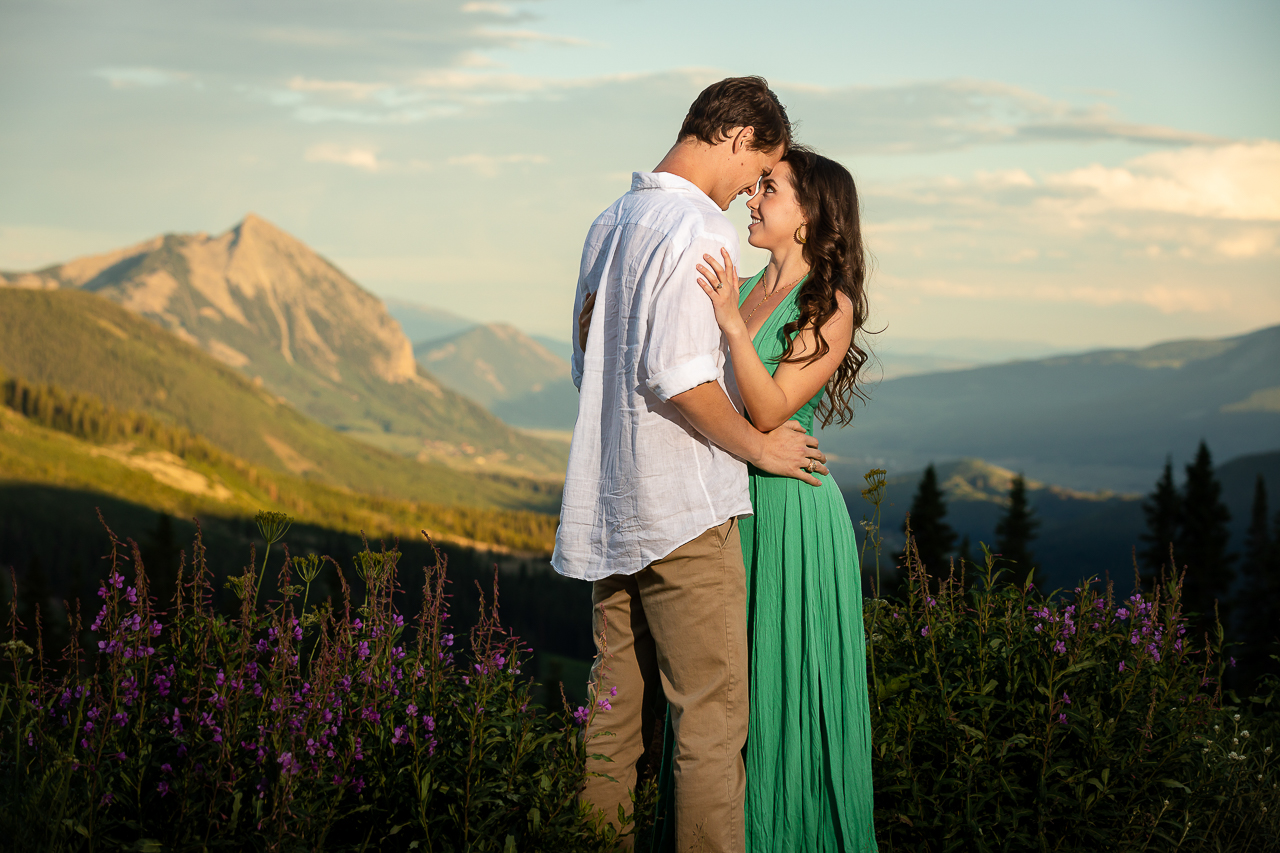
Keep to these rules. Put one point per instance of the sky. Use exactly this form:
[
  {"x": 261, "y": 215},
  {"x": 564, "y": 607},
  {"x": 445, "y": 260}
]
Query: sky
[{"x": 1065, "y": 176}]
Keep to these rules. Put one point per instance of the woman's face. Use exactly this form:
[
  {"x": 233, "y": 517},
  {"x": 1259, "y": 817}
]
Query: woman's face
[{"x": 775, "y": 210}]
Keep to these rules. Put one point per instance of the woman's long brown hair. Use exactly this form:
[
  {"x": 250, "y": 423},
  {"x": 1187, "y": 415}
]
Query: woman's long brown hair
[{"x": 837, "y": 263}]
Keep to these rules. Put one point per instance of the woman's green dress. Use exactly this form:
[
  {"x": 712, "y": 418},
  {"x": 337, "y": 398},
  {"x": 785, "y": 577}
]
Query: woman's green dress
[
  {"x": 809, "y": 744},
  {"x": 808, "y": 755}
]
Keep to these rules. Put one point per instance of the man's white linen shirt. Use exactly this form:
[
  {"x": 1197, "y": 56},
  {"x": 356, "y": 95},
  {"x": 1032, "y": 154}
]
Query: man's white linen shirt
[{"x": 641, "y": 480}]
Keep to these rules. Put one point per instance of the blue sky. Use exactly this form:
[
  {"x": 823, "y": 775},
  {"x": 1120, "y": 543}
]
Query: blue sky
[{"x": 1074, "y": 175}]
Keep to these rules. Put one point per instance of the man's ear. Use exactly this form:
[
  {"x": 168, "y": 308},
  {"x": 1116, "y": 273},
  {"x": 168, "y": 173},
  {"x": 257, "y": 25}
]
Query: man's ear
[{"x": 743, "y": 138}]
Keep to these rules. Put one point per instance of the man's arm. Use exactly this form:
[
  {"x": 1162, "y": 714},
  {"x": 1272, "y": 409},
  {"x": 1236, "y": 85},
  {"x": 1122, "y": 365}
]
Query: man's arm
[{"x": 786, "y": 450}]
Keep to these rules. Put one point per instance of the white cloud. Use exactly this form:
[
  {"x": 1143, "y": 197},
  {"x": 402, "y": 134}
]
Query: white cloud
[
  {"x": 948, "y": 115},
  {"x": 354, "y": 156},
  {"x": 140, "y": 77},
  {"x": 1240, "y": 181},
  {"x": 492, "y": 8}
]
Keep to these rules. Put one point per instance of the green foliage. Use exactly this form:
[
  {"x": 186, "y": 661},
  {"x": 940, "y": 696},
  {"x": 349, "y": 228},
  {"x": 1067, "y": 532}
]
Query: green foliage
[
  {"x": 1258, "y": 604},
  {"x": 336, "y": 726},
  {"x": 1163, "y": 511},
  {"x": 1014, "y": 532},
  {"x": 934, "y": 538},
  {"x": 90, "y": 346},
  {"x": 1202, "y": 543},
  {"x": 1006, "y": 721},
  {"x": 32, "y": 455}
]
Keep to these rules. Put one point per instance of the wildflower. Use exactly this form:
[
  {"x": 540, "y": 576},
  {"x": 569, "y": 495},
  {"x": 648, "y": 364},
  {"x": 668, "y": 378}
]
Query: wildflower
[
  {"x": 580, "y": 716},
  {"x": 930, "y": 601},
  {"x": 400, "y": 736},
  {"x": 288, "y": 764},
  {"x": 163, "y": 787},
  {"x": 121, "y": 719},
  {"x": 924, "y": 632},
  {"x": 1066, "y": 698},
  {"x": 122, "y": 756},
  {"x": 1062, "y": 719},
  {"x": 429, "y": 721},
  {"x": 397, "y": 620},
  {"x": 412, "y": 710},
  {"x": 1121, "y": 667},
  {"x": 106, "y": 799},
  {"x": 1267, "y": 751},
  {"x": 604, "y": 705},
  {"x": 1060, "y": 647},
  {"x": 1235, "y": 717},
  {"x": 131, "y": 595},
  {"x": 358, "y": 784},
  {"x": 613, "y": 691},
  {"x": 1231, "y": 662},
  {"x": 166, "y": 768}
]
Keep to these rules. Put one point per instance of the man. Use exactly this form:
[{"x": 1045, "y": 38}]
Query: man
[{"x": 656, "y": 476}]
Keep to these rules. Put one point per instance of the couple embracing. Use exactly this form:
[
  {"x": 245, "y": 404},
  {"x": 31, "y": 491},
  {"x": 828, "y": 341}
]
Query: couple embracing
[{"x": 723, "y": 561}]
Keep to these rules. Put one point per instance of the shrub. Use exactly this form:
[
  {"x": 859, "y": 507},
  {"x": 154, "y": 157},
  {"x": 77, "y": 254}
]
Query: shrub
[
  {"x": 294, "y": 725},
  {"x": 1004, "y": 720}
]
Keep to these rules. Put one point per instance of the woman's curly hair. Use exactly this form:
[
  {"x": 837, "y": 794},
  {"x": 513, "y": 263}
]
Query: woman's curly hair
[{"x": 837, "y": 263}]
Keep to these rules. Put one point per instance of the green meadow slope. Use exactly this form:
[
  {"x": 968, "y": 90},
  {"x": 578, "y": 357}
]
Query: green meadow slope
[
  {"x": 50, "y": 437},
  {"x": 89, "y": 345}
]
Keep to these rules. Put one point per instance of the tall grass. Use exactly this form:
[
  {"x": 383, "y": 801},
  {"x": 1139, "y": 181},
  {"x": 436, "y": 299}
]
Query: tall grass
[
  {"x": 292, "y": 725},
  {"x": 1006, "y": 720}
]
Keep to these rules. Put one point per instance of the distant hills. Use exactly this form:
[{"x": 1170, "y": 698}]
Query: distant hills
[
  {"x": 1081, "y": 533},
  {"x": 1098, "y": 420},
  {"x": 265, "y": 304},
  {"x": 517, "y": 377}
]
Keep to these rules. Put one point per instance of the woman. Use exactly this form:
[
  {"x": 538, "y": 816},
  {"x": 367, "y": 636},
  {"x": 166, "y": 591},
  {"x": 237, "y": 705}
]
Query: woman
[{"x": 790, "y": 330}]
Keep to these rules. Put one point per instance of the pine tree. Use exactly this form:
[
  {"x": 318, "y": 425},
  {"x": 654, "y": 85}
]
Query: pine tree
[
  {"x": 934, "y": 537},
  {"x": 1015, "y": 531},
  {"x": 1163, "y": 509},
  {"x": 1203, "y": 540},
  {"x": 1259, "y": 601}
]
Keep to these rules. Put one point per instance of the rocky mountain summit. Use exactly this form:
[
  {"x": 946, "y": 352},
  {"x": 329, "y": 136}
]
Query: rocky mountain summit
[{"x": 263, "y": 302}]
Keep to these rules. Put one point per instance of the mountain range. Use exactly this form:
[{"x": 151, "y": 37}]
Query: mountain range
[
  {"x": 266, "y": 305},
  {"x": 1097, "y": 420},
  {"x": 517, "y": 377},
  {"x": 1080, "y": 533}
]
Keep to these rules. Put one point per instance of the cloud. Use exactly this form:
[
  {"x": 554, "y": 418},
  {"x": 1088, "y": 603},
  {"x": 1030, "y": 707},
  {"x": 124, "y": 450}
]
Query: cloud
[
  {"x": 140, "y": 77},
  {"x": 1197, "y": 202},
  {"x": 1240, "y": 181},
  {"x": 354, "y": 156},
  {"x": 956, "y": 114}
]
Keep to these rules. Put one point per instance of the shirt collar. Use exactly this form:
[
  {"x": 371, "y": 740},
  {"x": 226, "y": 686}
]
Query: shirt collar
[{"x": 663, "y": 181}]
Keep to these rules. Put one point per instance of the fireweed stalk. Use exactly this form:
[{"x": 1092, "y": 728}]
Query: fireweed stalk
[
  {"x": 283, "y": 727},
  {"x": 1008, "y": 720}
]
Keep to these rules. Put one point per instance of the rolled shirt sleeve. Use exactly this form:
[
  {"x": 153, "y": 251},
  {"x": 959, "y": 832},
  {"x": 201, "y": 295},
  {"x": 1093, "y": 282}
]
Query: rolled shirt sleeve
[{"x": 685, "y": 344}]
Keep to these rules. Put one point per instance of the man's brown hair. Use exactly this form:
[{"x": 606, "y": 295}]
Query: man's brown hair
[{"x": 738, "y": 102}]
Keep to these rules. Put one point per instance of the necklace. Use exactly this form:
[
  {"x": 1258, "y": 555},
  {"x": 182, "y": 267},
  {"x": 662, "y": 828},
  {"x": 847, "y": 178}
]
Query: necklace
[{"x": 769, "y": 296}]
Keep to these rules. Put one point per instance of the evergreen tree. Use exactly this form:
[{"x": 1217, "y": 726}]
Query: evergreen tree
[
  {"x": 934, "y": 537},
  {"x": 1163, "y": 509},
  {"x": 1259, "y": 601},
  {"x": 1203, "y": 540},
  {"x": 1015, "y": 531}
]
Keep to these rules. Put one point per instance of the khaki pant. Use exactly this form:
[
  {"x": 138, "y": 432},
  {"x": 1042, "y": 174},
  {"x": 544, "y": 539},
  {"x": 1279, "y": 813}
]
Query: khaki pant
[{"x": 679, "y": 625}]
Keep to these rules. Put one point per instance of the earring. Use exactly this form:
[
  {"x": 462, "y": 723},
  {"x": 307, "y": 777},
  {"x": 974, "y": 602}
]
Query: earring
[{"x": 798, "y": 238}]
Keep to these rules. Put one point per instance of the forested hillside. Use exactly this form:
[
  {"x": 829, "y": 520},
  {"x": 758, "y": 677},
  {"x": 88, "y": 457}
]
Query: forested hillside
[{"x": 88, "y": 345}]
